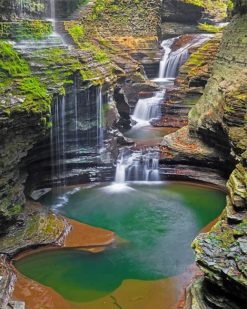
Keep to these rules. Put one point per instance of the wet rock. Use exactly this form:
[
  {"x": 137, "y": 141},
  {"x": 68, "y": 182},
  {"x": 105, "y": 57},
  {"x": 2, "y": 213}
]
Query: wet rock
[
  {"x": 40, "y": 227},
  {"x": 178, "y": 11},
  {"x": 16, "y": 305},
  {"x": 7, "y": 279}
]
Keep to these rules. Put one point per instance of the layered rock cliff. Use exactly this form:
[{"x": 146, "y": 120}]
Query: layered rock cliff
[
  {"x": 36, "y": 74},
  {"x": 218, "y": 121}
]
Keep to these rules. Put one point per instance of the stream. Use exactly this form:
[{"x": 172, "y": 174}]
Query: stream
[{"x": 154, "y": 222}]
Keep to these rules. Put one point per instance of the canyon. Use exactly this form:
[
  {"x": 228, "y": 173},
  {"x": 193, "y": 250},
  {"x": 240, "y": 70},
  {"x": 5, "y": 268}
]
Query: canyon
[{"x": 97, "y": 97}]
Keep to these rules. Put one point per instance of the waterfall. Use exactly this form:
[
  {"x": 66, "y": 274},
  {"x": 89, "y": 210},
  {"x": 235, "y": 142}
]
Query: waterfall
[
  {"x": 21, "y": 9},
  {"x": 75, "y": 99},
  {"x": 166, "y": 45},
  {"x": 172, "y": 60},
  {"x": 140, "y": 165},
  {"x": 100, "y": 119},
  {"x": 53, "y": 12},
  {"x": 58, "y": 140},
  {"x": 148, "y": 108}
]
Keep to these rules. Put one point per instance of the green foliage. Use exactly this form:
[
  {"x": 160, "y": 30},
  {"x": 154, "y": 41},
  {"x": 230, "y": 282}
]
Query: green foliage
[
  {"x": 214, "y": 7},
  {"x": 31, "y": 85},
  {"x": 99, "y": 7},
  {"x": 24, "y": 30},
  {"x": 98, "y": 54},
  {"x": 230, "y": 5},
  {"x": 77, "y": 32},
  {"x": 209, "y": 28},
  {"x": 15, "y": 75},
  {"x": 10, "y": 62}
]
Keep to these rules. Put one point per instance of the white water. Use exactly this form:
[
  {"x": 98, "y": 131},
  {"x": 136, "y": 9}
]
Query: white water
[
  {"x": 75, "y": 98},
  {"x": 172, "y": 60},
  {"x": 142, "y": 165},
  {"x": 53, "y": 12},
  {"x": 100, "y": 119},
  {"x": 21, "y": 8},
  {"x": 52, "y": 41},
  {"x": 58, "y": 139},
  {"x": 148, "y": 108}
]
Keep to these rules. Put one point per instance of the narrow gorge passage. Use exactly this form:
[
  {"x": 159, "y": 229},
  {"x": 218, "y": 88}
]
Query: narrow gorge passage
[{"x": 123, "y": 154}]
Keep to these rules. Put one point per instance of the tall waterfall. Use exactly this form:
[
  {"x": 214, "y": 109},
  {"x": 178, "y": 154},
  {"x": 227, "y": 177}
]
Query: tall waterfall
[
  {"x": 53, "y": 9},
  {"x": 139, "y": 165},
  {"x": 100, "y": 118},
  {"x": 21, "y": 8},
  {"x": 77, "y": 132},
  {"x": 148, "y": 108},
  {"x": 58, "y": 139},
  {"x": 172, "y": 60}
]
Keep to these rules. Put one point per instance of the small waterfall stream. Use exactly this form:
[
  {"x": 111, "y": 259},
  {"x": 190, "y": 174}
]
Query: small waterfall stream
[
  {"x": 139, "y": 165},
  {"x": 172, "y": 60},
  {"x": 77, "y": 132},
  {"x": 100, "y": 120},
  {"x": 148, "y": 108},
  {"x": 53, "y": 12}
]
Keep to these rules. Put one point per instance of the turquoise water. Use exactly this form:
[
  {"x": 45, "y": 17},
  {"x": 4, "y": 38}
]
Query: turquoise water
[{"x": 158, "y": 222}]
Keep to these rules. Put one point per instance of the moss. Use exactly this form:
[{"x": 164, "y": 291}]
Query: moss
[
  {"x": 214, "y": 7},
  {"x": 15, "y": 75},
  {"x": 76, "y": 31},
  {"x": 99, "y": 7},
  {"x": 25, "y": 30},
  {"x": 209, "y": 28},
  {"x": 9, "y": 208}
]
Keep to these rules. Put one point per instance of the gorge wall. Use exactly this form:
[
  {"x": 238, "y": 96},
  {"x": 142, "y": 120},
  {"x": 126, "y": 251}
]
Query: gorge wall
[
  {"x": 108, "y": 41},
  {"x": 34, "y": 76},
  {"x": 218, "y": 123}
]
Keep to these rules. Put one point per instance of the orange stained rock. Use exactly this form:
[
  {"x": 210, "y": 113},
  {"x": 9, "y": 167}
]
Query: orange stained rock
[
  {"x": 36, "y": 295},
  {"x": 84, "y": 235},
  {"x": 135, "y": 43},
  {"x": 132, "y": 294}
]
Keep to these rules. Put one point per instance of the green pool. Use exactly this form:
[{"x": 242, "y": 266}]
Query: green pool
[{"x": 158, "y": 222}]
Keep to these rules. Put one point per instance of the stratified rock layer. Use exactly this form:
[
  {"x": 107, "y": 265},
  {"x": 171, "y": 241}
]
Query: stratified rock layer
[{"x": 218, "y": 120}]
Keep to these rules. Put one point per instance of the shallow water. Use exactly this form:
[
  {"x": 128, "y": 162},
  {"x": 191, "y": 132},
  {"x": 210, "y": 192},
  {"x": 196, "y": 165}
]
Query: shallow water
[{"x": 156, "y": 221}]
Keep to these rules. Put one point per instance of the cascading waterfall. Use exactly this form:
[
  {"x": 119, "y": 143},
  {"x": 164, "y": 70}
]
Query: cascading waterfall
[
  {"x": 75, "y": 99},
  {"x": 166, "y": 45},
  {"x": 100, "y": 116},
  {"x": 77, "y": 133},
  {"x": 139, "y": 165},
  {"x": 172, "y": 60},
  {"x": 21, "y": 8},
  {"x": 58, "y": 140},
  {"x": 53, "y": 9},
  {"x": 53, "y": 40},
  {"x": 148, "y": 108}
]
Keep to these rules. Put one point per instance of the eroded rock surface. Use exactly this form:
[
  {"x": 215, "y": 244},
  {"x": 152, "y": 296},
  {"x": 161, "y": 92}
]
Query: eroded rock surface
[{"x": 218, "y": 121}]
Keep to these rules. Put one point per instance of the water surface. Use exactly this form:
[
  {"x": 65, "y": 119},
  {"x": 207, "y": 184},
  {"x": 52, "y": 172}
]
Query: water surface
[{"x": 156, "y": 223}]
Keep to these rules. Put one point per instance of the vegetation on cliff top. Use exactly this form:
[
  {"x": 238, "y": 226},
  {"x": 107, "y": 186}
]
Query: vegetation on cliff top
[
  {"x": 25, "y": 29},
  {"x": 214, "y": 7},
  {"x": 21, "y": 91}
]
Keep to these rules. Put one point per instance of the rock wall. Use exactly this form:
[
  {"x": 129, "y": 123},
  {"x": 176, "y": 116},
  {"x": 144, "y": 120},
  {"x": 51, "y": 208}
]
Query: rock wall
[
  {"x": 127, "y": 18},
  {"x": 14, "y": 10},
  {"x": 189, "y": 84},
  {"x": 218, "y": 121},
  {"x": 189, "y": 16},
  {"x": 30, "y": 76}
]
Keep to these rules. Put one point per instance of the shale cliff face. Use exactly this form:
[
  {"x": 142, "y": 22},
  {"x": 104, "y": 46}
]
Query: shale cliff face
[
  {"x": 191, "y": 16},
  {"x": 218, "y": 121},
  {"x": 33, "y": 76}
]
